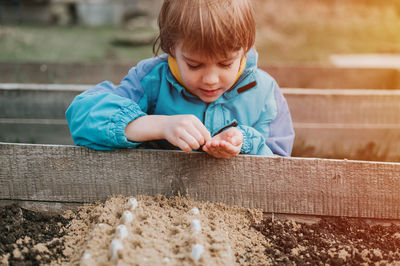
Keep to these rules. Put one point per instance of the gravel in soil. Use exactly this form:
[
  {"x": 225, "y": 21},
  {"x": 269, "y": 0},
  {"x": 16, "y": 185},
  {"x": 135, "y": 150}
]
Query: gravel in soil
[
  {"x": 28, "y": 237},
  {"x": 332, "y": 241}
]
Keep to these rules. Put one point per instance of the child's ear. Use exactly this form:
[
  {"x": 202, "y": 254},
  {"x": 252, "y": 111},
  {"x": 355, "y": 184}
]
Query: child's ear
[{"x": 172, "y": 51}]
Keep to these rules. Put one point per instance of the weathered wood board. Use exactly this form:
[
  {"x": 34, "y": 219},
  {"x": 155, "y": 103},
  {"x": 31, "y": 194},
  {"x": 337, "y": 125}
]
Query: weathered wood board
[
  {"x": 70, "y": 174},
  {"x": 289, "y": 76},
  {"x": 358, "y": 124},
  {"x": 354, "y": 124},
  {"x": 37, "y": 101},
  {"x": 32, "y": 113},
  {"x": 62, "y": 73},
  {"x": 329, "y": 77}
]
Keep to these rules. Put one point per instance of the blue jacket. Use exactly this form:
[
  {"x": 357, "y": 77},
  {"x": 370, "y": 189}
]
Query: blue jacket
[{"x": 97, "y": 117}]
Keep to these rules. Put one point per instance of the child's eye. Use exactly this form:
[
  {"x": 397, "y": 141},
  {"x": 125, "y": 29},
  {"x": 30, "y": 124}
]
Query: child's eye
[
  {"x": 225, "y": 65},
  {"x": 193, "y": 66}
]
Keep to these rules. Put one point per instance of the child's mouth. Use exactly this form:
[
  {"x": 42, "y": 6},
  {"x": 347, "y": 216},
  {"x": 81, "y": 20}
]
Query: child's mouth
[{"x": 210, "y": 93}]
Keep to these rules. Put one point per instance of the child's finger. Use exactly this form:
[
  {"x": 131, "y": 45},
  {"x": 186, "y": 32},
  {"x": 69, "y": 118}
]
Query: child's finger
[
  {"x": 190, "y": 140},
  {"x": 228, "y": 133},
  {"x": 213, "y": 147},
  {"x": 183, "y": 145},
  {"x": 204, "y": 148},
  {"x": 207, "y": 147},
  {"x": 218, "y": 153},
  {"x": 203, "y": 131},
  {"x": 227, "y": 147},
  {"x": 213, "y": 143},
  {"x": 223, "y": 150},
  {"x": 210, "y": 150},
  {"x": 226, "y": 150},
  {"x": 226, "y": 154},
  {"x": 233, "y": 132},
  {"x": 236, "y": 140},
  {"x": 197, "y": 135}
]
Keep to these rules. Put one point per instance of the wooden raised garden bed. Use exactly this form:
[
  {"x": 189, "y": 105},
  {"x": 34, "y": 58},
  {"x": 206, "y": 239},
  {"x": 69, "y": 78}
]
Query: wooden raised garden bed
[
  {"x": 278, "y": 210},
  {"x": 70, "y": 174},
  {"x": 329, "y": 123},
  {"x": 287, "y": 76},
  {"x": 53, "y": 178}
]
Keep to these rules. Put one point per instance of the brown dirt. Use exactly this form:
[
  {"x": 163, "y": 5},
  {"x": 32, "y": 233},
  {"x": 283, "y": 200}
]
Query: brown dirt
[
  {"x": 28, "y": 237},
  {"x": 162, "y": 232},
  {"x": 331, "y": 241}
]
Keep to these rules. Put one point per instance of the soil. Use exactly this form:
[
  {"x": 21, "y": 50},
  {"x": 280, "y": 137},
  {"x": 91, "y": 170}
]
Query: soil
[
  {"x": 332, "y": 241},
  {"x": 28, "y": 237},
  {"x": 162, "y": 231}
]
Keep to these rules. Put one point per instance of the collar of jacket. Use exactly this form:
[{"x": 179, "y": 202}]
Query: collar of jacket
[
  {"x": 173, "y": 65},
  {"x": 244, "y": 83}
]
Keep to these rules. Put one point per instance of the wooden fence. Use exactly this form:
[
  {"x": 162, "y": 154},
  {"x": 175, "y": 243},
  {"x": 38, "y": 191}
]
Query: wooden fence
[
  {"x": 57, "y": 174},
  {"x": 352, "y": 124},
  {"x": 287, "y": 76}
]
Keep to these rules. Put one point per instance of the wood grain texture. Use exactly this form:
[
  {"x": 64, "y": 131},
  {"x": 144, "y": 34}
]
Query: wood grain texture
[
  {"x": 290, "y": 76},
  {"x": 275, "y": 184},
  {"x": 345, "y": 107},
  {"x": 329, "y": 123},
  {"x": 356, "y": 124}
]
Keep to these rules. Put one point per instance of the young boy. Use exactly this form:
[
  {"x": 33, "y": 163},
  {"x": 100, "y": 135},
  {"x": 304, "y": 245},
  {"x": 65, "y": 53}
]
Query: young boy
[{"x": 205, "y": 94}]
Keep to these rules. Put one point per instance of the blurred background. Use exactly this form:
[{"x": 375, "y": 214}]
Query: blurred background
[
  {"x": 295, "y": 31},
  {"x": 337, "y": 62}
]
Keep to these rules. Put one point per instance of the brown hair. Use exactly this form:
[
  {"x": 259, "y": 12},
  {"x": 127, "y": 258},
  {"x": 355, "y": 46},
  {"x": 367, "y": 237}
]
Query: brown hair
[{"x": 213, "y": 27}]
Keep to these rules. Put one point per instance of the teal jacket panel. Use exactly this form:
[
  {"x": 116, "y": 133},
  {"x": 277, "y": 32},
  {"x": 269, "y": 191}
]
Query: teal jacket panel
[{"x": 255, "y": 105}]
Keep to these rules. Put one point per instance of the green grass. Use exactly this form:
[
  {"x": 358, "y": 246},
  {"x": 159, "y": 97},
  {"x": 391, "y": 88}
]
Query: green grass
[{"x": 26, "y": 43}]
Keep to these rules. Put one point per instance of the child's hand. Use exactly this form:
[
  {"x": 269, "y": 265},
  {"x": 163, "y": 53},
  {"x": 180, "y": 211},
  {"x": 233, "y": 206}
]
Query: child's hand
[
  {"x": 226, "y": 144},
  {"x": 186, "y": 132}
]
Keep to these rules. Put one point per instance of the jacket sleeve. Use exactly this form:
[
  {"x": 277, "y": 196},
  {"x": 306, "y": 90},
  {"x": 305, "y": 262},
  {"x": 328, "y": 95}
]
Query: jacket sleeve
[
  {"x": 270, "y": 136},
  {"x": 97, "y": 118}
]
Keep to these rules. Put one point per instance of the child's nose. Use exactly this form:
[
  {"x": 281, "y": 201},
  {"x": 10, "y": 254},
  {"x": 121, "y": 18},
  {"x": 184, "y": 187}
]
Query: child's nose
[{"x": 210, "y": 78}]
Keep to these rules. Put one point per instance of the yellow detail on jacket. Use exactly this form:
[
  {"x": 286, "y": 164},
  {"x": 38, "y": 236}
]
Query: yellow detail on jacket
[{"x": 173, "y": 65}]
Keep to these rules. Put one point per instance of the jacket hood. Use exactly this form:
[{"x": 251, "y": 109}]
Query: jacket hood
[{"x": 252, "y": 59}]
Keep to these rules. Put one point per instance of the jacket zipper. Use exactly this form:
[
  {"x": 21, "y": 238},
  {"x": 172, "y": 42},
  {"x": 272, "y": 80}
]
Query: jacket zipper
[
  {"x": 204, "y": 114},
  {"x": 233, "y": 124}
]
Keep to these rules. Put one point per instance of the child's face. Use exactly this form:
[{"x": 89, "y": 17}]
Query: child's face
[{"x": 207, "y": 78}]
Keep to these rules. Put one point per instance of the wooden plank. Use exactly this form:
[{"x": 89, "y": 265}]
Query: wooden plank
[
  {"x": 287, "y": 76},
  {"x": 366, "y": 60},
  {"x": 339, "y": 106},
  {"x": 361, "y": 143},
  {"x": 275, "y": 184},
  {"x": 329, "y": 77},
  {"x": 35, "y": 131},
  {"x": 354, "y": 124},
  {"x": 64, "y": 73},
  {"x": 307, "y": 105},
  {"x": 43, "y": 101}
]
